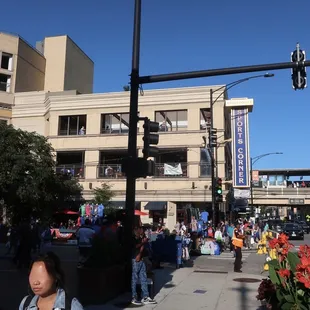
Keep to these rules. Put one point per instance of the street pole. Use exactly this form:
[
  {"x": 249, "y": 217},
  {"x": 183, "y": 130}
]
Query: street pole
[
  {"x": 251, "y": 186},
  {"x": 212, "y": 161},
  {"x": 253, "y": 160},
  {"x": 223, "y": 71},
  {"x": 132, "y": 135}
]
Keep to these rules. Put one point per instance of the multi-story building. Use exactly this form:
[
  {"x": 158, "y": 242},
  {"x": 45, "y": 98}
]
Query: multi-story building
[
  {"x": 57, "y": 64},
  {"x": 90, "y": 134}
]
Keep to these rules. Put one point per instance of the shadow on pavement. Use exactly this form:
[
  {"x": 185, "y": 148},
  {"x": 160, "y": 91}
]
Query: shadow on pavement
[{"x": 245, "y": 301}]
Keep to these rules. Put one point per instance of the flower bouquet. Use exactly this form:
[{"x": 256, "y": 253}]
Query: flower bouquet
[{"x": 288, "y": 286}]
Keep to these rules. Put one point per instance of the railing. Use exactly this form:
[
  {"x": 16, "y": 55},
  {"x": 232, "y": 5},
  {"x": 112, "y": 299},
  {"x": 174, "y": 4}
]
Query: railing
[
  {"x": 71, "y": 132},
  {"x": 77, "y": 171},
  {"x": 162, "y": 170},
  {"x": 171, "y": 170},
  {"x": 110, "y": 172},
  {"x": 167, "y": 170}
]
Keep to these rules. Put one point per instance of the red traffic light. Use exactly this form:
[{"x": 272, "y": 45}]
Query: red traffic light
[{"x": 219, "y": 181}]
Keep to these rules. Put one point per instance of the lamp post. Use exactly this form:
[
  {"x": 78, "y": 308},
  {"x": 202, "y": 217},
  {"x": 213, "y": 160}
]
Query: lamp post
[
  {"x": 213, "y": 150},
  {"x": 253, "y": 161}
]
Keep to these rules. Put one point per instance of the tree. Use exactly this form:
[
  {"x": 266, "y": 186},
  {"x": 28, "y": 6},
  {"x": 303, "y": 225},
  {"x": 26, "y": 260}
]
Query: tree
[
  {"x": 29, "y": 185},
  {"x": 103, "y": 194},
  {"x": 126, "y": 88}
]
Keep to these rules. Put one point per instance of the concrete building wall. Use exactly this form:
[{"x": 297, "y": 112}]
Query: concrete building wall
[
  {"x": 67, "y": 66},
  {"x": 30, "y": 69},
  {"x": 44, "y": 111},
  {"x": 79, "y": 69},
  {"x": 55, "y": 55}
]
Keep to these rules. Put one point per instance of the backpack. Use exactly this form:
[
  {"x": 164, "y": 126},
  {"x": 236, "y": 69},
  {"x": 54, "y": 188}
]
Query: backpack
[{"x": 27, "y": 301}]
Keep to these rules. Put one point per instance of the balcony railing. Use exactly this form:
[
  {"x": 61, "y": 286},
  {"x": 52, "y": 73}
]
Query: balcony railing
[
  {"x": 77, "y": 171},
  {"x": 110, "y": 172},
  {"x": 162, "y": 170}
]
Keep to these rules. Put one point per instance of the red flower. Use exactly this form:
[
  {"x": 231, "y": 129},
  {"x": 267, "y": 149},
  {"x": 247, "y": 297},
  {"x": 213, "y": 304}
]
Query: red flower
[
  {"x": 303, "y": 278},
  {"x": 283, "y": 239},
  {"x": 304, "y": 251},
  {"x": 273, "y": 243},
  {"x": 284, "y": 273},
  {"x": 305, "y": 261}
]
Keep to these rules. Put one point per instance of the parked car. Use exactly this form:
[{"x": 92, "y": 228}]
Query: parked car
[
  {"x": 305, "y": 226},
  {"x": 293, "y": 231}
]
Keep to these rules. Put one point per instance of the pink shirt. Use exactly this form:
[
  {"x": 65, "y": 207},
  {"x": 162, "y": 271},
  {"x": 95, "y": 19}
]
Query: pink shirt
[{"x": 88, "y": 210}]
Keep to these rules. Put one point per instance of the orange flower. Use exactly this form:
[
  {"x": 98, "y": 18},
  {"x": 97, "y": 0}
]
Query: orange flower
[{"x": 284, "y": 273}]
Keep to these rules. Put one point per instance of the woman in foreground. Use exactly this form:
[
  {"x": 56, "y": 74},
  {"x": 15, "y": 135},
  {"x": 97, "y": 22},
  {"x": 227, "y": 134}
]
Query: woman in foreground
[{"x": 46, "y": 281}]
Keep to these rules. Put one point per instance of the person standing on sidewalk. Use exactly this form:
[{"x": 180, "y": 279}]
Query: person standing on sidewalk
[
  {"x": 139, "y": 269},
  {"x": 237, "y": 241}
]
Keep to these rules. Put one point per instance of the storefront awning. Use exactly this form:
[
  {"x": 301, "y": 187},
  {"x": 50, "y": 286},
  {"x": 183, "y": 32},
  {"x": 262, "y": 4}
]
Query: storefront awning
[
  {"x": 156, "y": 205},
  {"x": 120, "y": 204}
]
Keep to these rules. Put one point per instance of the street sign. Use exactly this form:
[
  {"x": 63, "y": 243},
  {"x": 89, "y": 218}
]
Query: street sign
[{"x": 296, "y": 201}]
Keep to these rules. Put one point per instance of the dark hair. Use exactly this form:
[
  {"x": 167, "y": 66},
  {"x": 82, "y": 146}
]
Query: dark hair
[
  {"x": 87, "y": 222},
  {"x": 53, "y": 267}
]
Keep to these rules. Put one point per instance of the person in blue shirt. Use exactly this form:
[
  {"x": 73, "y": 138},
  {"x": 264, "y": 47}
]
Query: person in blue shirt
[{"x": 204, "y": 216}]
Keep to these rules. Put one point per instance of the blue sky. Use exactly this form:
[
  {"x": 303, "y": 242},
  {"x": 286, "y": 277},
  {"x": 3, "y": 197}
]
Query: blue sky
[{"x": 192, "y": 35}]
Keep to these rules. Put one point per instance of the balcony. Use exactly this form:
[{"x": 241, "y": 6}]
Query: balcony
[
  {"x": 110, "y": 172},
  {"x": 163, "y": 170},
  {"x": 76, "y": 171}
]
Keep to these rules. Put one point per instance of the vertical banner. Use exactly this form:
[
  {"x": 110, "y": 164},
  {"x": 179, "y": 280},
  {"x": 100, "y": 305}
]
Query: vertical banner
[{"x": 240, "y": 148}]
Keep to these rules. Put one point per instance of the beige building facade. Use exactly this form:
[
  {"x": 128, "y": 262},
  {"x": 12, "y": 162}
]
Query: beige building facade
[
  {"x": 90, "y": 134},
  {"x": 58, "y": 64}
]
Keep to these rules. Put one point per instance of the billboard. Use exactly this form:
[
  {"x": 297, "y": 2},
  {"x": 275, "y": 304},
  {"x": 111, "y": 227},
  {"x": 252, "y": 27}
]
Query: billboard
[{"x": 240, "y": 148}]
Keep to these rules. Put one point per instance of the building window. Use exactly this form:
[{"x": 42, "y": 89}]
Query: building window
[
  {"x": 115, "y": 123},
  {"x": 72, "y": 125},
  {"x": 205, "y": 118},
  {"x": 171, "y": 120},
  {"x": 5, "y": 83},
  {"x": 6, "y": 61},
  {"x": 205, "y": 163}
]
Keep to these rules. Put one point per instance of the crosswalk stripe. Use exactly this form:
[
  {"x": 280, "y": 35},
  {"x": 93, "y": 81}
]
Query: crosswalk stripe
[{"x": 226, "y": 256}]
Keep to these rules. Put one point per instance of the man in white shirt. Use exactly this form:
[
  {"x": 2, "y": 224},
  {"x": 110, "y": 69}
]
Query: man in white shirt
[{"x": 85, "y": 237}]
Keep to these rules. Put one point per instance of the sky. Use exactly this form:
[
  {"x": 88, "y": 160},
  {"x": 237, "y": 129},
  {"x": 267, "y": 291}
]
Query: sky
[{"x": 192, "y": 35}]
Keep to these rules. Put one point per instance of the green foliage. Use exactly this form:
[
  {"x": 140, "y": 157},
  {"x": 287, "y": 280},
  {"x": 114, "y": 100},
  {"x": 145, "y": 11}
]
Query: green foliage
[
  {"x": 293, "y": 260},
  {"x": 103, "y": 194},
  {"x": 273, "y": 275},
  {"x": 288, "y": 294},
  {"x": 28, "y": 183}
]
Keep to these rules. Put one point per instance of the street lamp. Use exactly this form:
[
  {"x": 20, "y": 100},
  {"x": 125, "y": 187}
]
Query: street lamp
[
  {"x": 253, "y": 161},
  {"x": 212, "y": 102}
]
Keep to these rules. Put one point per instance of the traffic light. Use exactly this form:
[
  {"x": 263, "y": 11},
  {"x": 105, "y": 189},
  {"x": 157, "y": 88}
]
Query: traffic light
[
  {"x": 218, "y": 190},
  {"x": 213, "y": 137},
  {"x": 299, "y": 75},
  {"x": 150, "y": 138}
]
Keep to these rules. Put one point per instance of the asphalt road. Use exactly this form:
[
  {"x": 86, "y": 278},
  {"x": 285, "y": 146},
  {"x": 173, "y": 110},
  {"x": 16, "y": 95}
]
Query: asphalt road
[{"x": 297, "y": 243}]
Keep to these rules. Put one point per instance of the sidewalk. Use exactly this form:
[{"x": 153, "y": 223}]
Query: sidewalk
[{"x": 191, "y": 288}]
